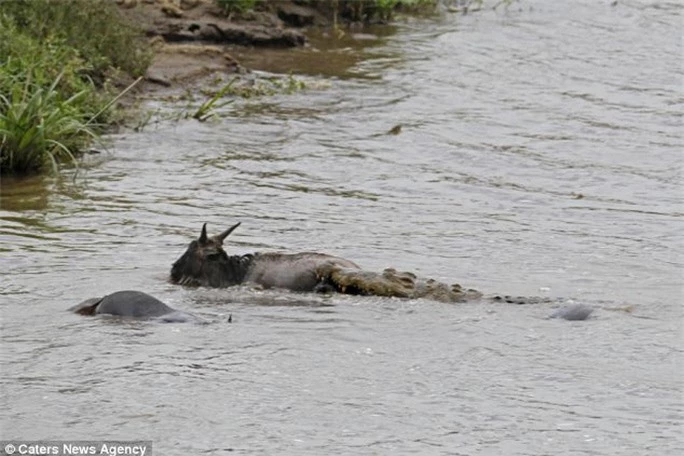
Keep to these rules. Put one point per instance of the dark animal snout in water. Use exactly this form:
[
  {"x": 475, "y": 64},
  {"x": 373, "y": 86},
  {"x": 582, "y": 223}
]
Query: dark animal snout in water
[
  {"x": 206, "y": 263},
  {"x": 573, "y": 312},
  {"x": 134, "y": 304}
]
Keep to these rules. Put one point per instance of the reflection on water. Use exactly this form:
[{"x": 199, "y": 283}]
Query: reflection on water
[
  {"x": 539, "y": 154},
  {"x": 24, "y": 194},
  {"x": 340, "y": 54}
]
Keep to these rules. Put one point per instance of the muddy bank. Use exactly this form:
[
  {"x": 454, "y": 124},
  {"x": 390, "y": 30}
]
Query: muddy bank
[{"x": 189, "y": 36}]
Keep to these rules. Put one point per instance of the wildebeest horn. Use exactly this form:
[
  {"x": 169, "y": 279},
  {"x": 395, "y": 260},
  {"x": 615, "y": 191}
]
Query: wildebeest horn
[
  {"x": 225, "y": 234},
  {"x": 203, "y": 236}
]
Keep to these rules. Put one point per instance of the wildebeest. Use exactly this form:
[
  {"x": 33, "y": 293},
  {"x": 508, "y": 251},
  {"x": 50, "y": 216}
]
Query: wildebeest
[
  {"x": 134, "y": 304},
  {"x": 206, "y": 263}
]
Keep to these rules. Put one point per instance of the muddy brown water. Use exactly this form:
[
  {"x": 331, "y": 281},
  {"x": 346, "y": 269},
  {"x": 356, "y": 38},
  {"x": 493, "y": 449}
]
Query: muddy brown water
[{"x": 540, "y": 154}]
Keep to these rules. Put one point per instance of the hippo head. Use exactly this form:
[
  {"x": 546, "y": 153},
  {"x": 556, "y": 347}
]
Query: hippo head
[{"x": 206, "y": 263}]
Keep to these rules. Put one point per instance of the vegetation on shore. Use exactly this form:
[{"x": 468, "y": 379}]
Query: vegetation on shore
[
  {"x": 376, "y": 10},
  {"x": 62, "y": 64},
  {"x": 347, "y": 10},
  {"x": 58, "y": 61},
  {"x": 208, "y": 102}
]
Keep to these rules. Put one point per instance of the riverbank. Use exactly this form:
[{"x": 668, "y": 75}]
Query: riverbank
[
  {"x": 190, "y": 37},
  {"x": 76, "y": 59},
  {"x": 64, "y": 67}
]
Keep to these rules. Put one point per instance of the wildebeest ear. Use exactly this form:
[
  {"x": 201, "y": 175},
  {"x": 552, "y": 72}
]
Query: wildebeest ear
[
  {"x": 225, "y": 234},
  {"x": 203, "y": 237}
]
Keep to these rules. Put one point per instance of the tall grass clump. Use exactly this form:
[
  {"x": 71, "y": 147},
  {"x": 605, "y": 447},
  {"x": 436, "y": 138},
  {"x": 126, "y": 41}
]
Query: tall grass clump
[
  {"x": 55, "y": 67},
  {"x": 39, "y": 128}
]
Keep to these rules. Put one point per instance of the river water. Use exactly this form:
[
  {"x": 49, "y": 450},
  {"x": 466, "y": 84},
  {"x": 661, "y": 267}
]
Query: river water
[{"x": 540, "y": 155}]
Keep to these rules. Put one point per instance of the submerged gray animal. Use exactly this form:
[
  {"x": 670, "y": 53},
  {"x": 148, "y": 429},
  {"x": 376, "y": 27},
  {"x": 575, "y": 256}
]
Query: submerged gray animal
[
  {"x": 206, "y": 263},
  {"x": 573, "y": 312},
  {"x": 134, "y": 304}
]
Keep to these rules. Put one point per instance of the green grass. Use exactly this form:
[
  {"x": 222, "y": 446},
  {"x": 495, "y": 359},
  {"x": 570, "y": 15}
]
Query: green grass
[
  {"x": 38, "y": 128},
  {"x": 208, "y": 108},
  {"x": 236, "y": 6},
  {"x": 349, "y": 10},
  {"x": 94, "y": 28},
  {"x": 370, "y": 10},
  {"x": 56, "y": 62}
]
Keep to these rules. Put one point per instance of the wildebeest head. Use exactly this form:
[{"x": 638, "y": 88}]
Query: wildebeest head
[{"x": 206, "y": 263}]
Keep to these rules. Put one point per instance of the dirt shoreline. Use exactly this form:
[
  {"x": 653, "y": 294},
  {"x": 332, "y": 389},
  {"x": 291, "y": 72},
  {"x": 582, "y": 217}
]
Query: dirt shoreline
[{"x": 190, "y": 37}]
